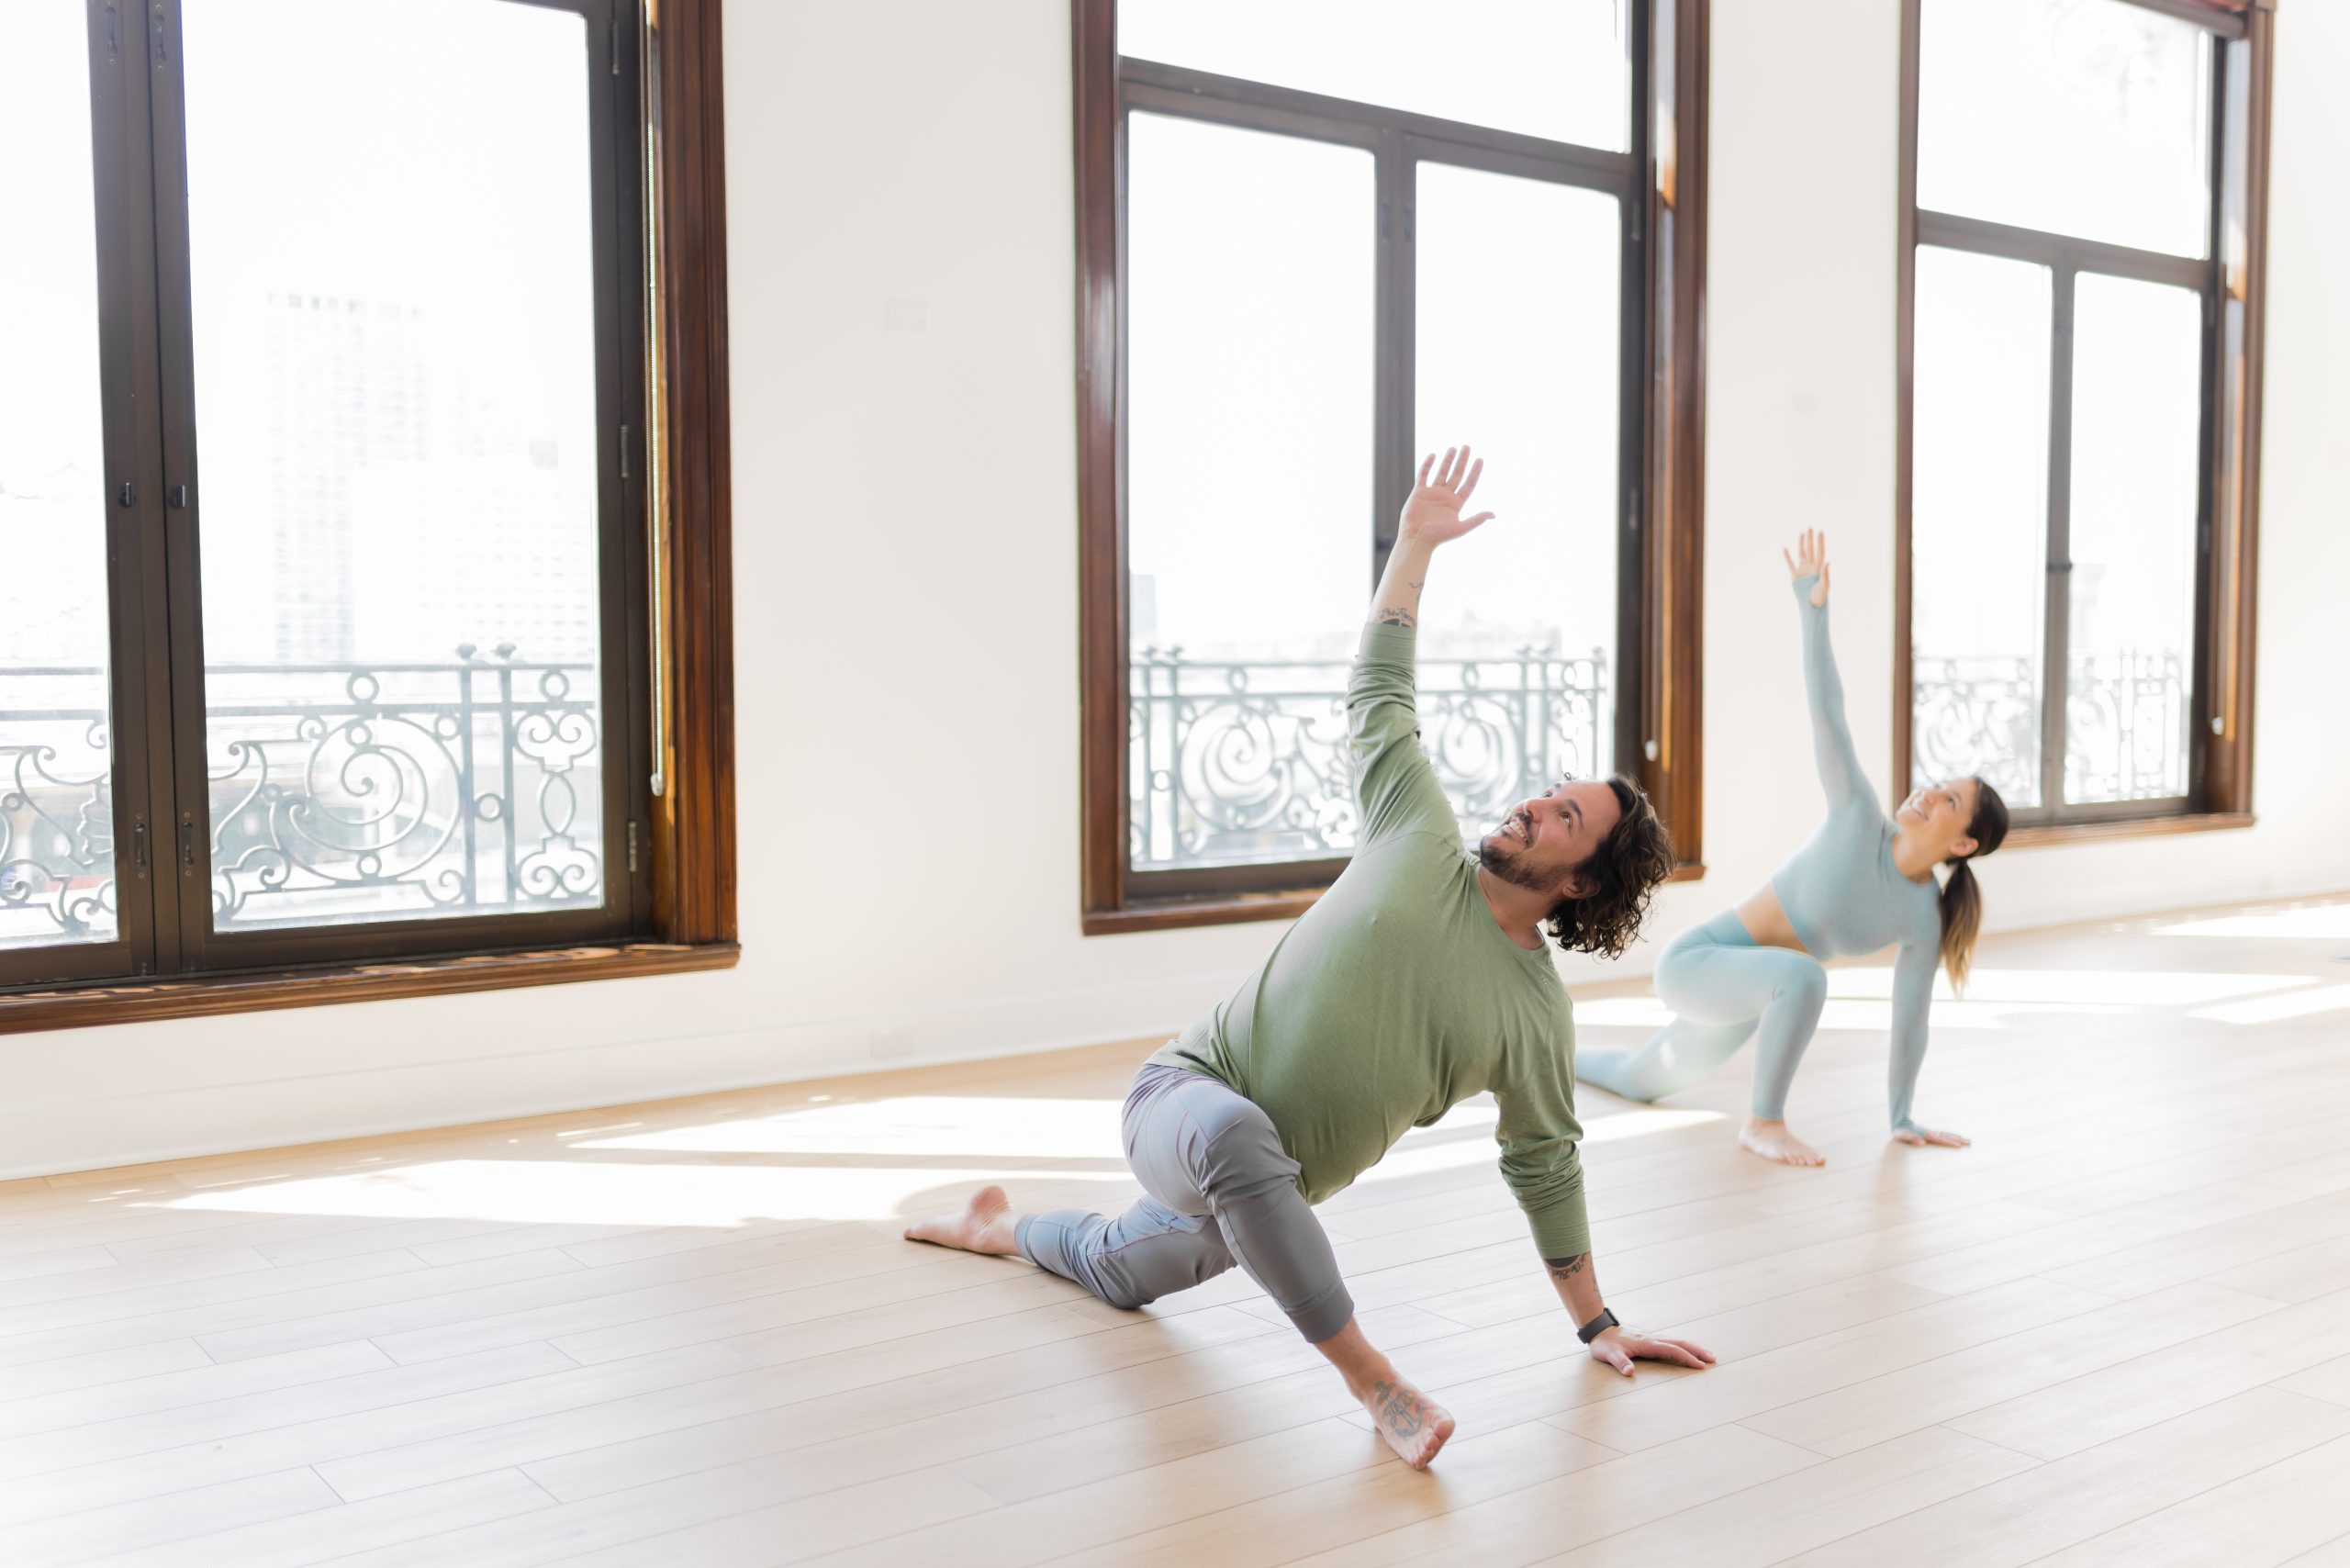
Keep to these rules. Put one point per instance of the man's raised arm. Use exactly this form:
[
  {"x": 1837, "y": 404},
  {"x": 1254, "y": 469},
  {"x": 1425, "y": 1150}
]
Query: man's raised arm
[{"x": 1394, "y": 786}]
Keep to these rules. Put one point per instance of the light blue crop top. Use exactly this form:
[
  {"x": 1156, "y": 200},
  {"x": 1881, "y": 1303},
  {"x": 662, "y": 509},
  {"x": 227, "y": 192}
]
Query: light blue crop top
[{"x": 1841, "y": 891}]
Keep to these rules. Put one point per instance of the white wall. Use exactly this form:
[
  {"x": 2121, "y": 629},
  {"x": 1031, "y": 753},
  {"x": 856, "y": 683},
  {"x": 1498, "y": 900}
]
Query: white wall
[{"x": 901, "y": 262}]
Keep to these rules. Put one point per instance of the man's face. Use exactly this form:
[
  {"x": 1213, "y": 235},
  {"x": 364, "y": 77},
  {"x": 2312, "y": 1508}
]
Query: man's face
[{"x": 1541, "y": 842}]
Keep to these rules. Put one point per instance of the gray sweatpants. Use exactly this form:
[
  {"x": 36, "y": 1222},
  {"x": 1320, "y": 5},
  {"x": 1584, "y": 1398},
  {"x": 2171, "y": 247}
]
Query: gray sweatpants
[{"x": 1219, "y": 1190}]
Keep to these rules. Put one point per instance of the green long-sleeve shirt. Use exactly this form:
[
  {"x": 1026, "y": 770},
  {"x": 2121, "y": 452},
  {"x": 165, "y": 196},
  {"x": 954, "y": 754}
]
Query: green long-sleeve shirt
[{"x": 1398, "y": 995}]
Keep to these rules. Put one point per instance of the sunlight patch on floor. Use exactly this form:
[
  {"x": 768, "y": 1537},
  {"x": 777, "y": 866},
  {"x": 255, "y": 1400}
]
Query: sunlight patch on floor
[
  {"x": 1860, "y": 997},
  {"x": 2321, "y": 923},
  {"x": 2270, "y": 1009},
  {"x": 567, "y": 1191},
  {"x": 878, "y": 1159},
  {"x": 919, "y": 1124}
]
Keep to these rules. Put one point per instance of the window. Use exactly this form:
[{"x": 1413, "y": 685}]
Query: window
[
  {"x": 1304, "y": 259},
  {"x": 2085, "y": 186},
  {"x": 325, "y": 628}
]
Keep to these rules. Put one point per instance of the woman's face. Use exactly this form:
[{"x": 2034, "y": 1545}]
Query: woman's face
[{"x": 1941, "y": 815}]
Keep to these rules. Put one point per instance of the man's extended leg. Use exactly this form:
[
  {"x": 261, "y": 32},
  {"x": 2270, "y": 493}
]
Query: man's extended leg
[{"x": 1220, "y": 1190}]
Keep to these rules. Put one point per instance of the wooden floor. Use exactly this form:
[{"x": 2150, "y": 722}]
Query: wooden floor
[{"x": 2116, "y": 1330}]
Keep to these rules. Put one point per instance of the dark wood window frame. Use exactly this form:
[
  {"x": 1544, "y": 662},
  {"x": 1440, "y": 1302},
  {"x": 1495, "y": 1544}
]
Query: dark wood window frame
[
  {"x": 677, "y": 624},
  {"x": 2230, "y": 281},
  {"x": 1663, "y": 177}
]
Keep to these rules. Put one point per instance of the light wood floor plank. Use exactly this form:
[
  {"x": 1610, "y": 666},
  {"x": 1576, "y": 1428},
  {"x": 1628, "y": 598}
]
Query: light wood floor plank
[
  {"x": 2272, "y": 1516},
  {"x": 211, "y": 1382},
  {"x": 962, "y": 1411},
  {"x": 304, "y": 1292},
  {"x": 1660, "y": 1411},
  {"x": 301, "y": 1540},
  {"x": 567, "y": 1529},
  {"x": 1359, "y": 1506},
  {"x": 1779, "y": 1520},
  {"x": 201, "y": 1445},
  {"x": 1873, "y": 1411},
  {"x": 2028, "y": 1515},
  {"x": 34, "y": 1379},
  {"x": 162, "y": 1521},
  {"x": 2070, "y": 1413}
]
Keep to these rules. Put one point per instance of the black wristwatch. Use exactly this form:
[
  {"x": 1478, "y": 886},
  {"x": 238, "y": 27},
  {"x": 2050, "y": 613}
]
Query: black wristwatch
[{"x": 1597, "y": 1326}]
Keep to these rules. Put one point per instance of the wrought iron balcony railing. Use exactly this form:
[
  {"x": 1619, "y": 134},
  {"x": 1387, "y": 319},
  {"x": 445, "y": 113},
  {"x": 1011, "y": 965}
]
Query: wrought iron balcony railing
[
  {"x": 337, "y": 792},
  {"x": 2125, "y": 725},
  {"x": 1236, "y": 762}
]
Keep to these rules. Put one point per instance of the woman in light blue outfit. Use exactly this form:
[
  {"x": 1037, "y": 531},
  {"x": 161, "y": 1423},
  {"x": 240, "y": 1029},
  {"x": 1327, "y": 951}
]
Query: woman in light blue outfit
[{"x": 1863, "y": 882}]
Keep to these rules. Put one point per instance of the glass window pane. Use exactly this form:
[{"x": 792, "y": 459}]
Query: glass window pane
[
  {"x": 2137, "y": 428},
  {"x": 56, "y": 801},
  {"x": 1520, "y": 352},
  {"x": 2090, "y": 117},
  {"x": 1560, "y": 69},
  {"x": 1979, "y": 521},
  {"x": 1250, "y": 320},
  {"x": 395, "y": 409}
]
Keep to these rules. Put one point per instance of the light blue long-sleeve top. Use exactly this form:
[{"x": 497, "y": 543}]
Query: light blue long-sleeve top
[{"x": 1841, "y": 891}]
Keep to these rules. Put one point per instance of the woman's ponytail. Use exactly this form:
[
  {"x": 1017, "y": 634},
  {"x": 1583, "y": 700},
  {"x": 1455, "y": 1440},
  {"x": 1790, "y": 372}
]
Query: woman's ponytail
[
  {"x": 1961, "y": 923},
  {"x": 1962, "y": 899}
]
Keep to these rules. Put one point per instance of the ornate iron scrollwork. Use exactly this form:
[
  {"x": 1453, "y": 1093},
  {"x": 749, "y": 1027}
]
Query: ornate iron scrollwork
[{"x": 1234, "y": 762}]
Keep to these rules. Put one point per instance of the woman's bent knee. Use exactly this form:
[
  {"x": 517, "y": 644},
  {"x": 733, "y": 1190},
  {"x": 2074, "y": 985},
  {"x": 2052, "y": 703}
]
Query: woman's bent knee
[{"x": 1807, "y": 984}]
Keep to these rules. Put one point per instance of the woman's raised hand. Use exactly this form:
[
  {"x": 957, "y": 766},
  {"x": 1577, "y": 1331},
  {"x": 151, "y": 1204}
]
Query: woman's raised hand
[
  {"x": 1810, "y": 560},
  {"x": 1433, "y": 513}
]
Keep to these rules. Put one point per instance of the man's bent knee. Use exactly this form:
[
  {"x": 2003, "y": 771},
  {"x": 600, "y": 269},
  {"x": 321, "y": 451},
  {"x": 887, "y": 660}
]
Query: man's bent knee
[{"x": 1244, "y": 1159}]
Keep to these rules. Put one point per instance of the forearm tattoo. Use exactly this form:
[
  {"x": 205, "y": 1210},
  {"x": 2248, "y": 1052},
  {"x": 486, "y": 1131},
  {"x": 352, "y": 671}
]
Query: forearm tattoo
[
  {"x": 1398, "y": 617},
  {"x": 1397, "y": 1408},
  {"x": 1566, "y": 1267}
]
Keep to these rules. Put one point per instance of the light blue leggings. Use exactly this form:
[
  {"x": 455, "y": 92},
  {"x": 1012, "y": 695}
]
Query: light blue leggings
[{"x": 1721, "y": 988}]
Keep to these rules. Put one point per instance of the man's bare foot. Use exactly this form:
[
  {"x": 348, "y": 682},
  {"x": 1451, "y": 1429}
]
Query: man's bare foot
[
  {"x": 985, "y": 1225},
  {"x": 1772, "y": 1141},
  {"x": 1414, "y": 1425}
]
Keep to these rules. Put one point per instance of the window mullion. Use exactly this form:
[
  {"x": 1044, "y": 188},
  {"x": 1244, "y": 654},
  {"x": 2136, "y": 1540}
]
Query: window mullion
[
  {"x": 2057, "y": 615},
  {"x": 1394, "y": 357}
]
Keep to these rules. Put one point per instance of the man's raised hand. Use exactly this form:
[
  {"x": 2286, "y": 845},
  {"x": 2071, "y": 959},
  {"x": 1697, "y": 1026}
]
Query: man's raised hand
[{"x": 1433, "y": 514}]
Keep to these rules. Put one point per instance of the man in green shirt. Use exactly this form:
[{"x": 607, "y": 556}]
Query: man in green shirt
[{"x": 1421, "y": 978}]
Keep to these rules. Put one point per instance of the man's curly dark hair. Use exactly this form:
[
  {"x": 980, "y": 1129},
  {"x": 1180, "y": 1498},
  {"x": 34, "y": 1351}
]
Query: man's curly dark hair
[{"x": 1631, "y": 862}]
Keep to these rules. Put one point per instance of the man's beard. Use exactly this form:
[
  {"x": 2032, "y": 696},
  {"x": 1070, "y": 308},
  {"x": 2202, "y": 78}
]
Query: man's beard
[{"x": 1511, "y": 865}]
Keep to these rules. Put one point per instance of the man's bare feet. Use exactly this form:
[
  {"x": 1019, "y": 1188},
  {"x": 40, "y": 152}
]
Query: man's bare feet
[
  {"x": 1772, "y": 1141},
  {"x": 985, "y": 1225},
  {"x": 1414, "y": 1425}
]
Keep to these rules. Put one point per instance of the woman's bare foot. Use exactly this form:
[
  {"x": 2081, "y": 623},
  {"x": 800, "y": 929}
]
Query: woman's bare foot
[
  {"x": 1772, "y": 1141},
  {"x": 1923, "y": 1138},
  {"x": 1414, "y": 1425},
  {"x": 985, "y": 1225}
]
